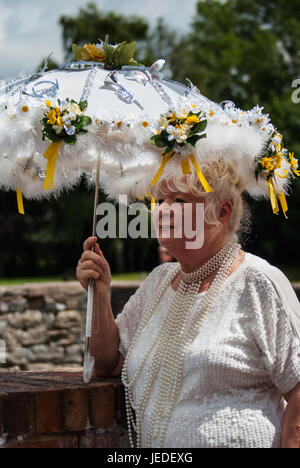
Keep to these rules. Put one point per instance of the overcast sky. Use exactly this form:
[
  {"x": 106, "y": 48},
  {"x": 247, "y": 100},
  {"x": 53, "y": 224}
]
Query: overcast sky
[{"x": 29, "y": 29}]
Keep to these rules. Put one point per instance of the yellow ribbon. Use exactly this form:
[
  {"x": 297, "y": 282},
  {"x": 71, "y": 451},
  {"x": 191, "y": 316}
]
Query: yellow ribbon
[
  {"x": 51, "y": 154},
  {"x": 202, "y": 179},
  {"x": 281, "y": 195},
  {"x": 20, "y": 201},
  {"x": 282, "y": 176},
  {"x": 160, "y": 170},
  {"x": 185, "y": 166},
  {"x": 283, "y": 203},
  {"x": 272, "y": 194},
  {"x": 152, "y": 203}
]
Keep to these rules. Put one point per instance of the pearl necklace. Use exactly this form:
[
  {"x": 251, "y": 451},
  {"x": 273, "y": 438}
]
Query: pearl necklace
[{"x": 173, "y": 340}]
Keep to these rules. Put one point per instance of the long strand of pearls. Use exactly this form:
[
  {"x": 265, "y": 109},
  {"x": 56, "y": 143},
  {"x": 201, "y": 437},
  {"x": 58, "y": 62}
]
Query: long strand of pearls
[
  {"x": 192, "y": 332},
  {"x": 172, "y": 343}
]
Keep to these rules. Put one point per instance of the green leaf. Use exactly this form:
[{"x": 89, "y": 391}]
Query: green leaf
[
  {"x": 125, "y": 53},
  {"x": 86, "y": 120},
  {"x": 82, "y": 105},
  {"x": 168, "y": 149},
  {"x": 109, "y": 52},
  {"x": 76, "y": 51},
  {"x": 160, "y": 141},
  {"x": 199, "y": 127},
  {"x": 192, "y": 140},
  {"x": 70, "y": 139}
]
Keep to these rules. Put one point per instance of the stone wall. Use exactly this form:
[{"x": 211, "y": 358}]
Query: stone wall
[{"x": 42, "y": 325}]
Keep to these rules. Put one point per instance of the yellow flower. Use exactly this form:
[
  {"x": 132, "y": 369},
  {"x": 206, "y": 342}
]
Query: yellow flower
[
  {"x": 145, "y": 124},
  {"x": 267, "y": 163},
  {"x": 92, "y": 52},
  {"x": 192, "y": 119},
  {"x": 25, "y": 108},
  {"x": 211, "y": 113},
  {"x": 51, "y": 116},
  {"x": 59, "y": 121},
  {"x": 172, "y": 117},
  {"x": 234, "y": 120},
  {"x": 48, "y": 103},
  {"x": 293, "y": 162},
  {"x": 119, "y": 124}
]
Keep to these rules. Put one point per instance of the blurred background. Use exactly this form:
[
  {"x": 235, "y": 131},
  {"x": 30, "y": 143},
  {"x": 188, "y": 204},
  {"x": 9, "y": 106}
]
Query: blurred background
[{"x": 246, "y": 51}]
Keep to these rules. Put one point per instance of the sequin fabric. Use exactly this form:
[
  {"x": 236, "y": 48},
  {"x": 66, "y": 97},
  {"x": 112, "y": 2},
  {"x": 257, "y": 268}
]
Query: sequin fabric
[{"x": 243, "y": 360}]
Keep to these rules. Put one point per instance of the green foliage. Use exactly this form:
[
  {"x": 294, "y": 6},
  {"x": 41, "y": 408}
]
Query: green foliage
[
  {"x": 79, "y": 122},
  {"x": 194, "y": 131},
  {"x": 112, "y": 57},
  {"x": 91, "y": 23}
]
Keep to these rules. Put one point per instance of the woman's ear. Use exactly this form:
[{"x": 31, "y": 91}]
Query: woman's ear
[{"x": 225, "y": 211}]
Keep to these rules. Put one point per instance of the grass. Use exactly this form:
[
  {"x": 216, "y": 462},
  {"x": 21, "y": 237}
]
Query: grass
[
  {"x": 18, "y": 281},
  {"x": 292, "y": 273}
]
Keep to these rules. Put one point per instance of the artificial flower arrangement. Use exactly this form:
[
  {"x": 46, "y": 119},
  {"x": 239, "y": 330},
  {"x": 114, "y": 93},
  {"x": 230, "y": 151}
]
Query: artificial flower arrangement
[
  {"x": 271, "y": 158},
  {"x": 113, "y": 57},
  {"x": 60, "y": 124},
  {"x": 65, "y": 121},
  {"x": 179, "y": 130}
]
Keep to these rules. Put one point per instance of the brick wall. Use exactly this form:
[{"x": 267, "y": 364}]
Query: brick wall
[{"x": 57, "y": 410}]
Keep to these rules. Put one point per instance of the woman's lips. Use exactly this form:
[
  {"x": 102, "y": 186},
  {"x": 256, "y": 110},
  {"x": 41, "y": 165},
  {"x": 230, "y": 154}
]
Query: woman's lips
[{"x": 165, "y": 226}]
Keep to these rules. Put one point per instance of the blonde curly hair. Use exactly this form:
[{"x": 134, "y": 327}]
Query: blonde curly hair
[{"x": 223, "y": 178}]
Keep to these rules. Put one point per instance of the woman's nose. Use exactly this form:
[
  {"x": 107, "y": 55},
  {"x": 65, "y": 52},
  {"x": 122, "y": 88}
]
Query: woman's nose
[{"x": 166, "y": 203}]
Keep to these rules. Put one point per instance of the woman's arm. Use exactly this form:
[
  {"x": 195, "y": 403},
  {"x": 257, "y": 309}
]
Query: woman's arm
[
  {"x": 291, "y": 419},
  {"x": 105, "y": 339}
]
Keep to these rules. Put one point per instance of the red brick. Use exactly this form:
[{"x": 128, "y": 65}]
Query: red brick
[
  {"x": 61, "y": 441},
  {"x": 18, "y": 414},
  {"x": 102, "y": 404},
  {"x": 113, "y": 438},
  {"x": 2, "y": 403},
  {"x": 120, "y": 407},
  {"x": 47, "y": 412},
  {"x": 75, "y": 409}
]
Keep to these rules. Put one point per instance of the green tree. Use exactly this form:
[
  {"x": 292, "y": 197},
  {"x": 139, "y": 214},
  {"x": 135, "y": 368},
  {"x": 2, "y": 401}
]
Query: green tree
[
  {"x": 248, "y": 51},
  {"x": 91, "y": 24}
]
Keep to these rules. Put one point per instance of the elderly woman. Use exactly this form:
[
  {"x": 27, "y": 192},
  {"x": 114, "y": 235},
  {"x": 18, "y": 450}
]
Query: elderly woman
[{"x": 206, "y": 346}]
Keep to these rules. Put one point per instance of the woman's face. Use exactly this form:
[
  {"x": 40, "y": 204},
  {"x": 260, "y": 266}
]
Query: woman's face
[{"x": 179, "y": 220}]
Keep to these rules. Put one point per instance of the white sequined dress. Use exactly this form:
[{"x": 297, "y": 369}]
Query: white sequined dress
[{"x": 244, "y": 358}]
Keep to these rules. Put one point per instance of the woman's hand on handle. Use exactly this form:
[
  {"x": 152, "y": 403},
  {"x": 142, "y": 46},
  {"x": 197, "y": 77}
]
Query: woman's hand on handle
[{"x": 92, "y": 264}]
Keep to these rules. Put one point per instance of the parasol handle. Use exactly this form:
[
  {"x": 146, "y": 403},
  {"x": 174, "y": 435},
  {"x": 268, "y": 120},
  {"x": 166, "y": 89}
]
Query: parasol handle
[{"x": 89, "y": 361}]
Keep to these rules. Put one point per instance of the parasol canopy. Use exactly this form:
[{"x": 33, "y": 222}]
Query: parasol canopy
[{"x": 55, "y": 125}]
